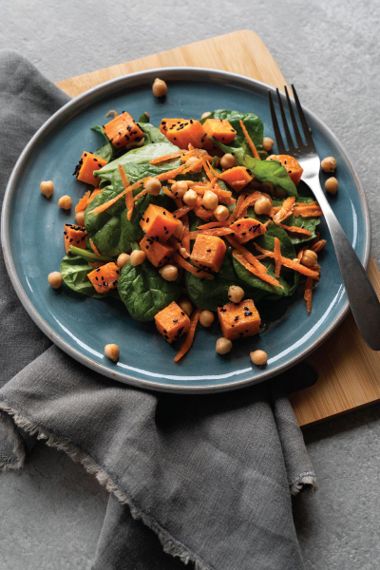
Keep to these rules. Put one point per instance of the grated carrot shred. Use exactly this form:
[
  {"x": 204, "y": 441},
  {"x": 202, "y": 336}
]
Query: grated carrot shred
[
  {"x": 308, "y": 294},
  {"x": 191, "y": 269},
  {"x": 219, "y": 232},
  {"x": 211, "y": 225},
  {"x": 256, "y": 272},
  {"x": 250, "y": 142},
  {"x": 285, "y": 211},
  {"x": 277, "y": 257},
  {"x": 296, "y": 230},
  {"x": 83, "y": 202},
  {"x": 181, "y": 212},
  {"x": 103, "y": 207},
  {"x": 166, "y": 157},
  {"x": 290, "y": 263},
  {"x": 94, "y": 248},
  {"x": 257, "y": 268},
  {"x": 189, "y": 339},
  {"x": 307, "y": 210},
  {"x": 319, "y": 245},
  {"x": 129, "y": 196}
]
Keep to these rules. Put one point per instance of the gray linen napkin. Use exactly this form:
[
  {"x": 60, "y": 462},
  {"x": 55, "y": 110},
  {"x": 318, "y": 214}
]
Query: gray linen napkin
[{"x": 209, "y": 476}]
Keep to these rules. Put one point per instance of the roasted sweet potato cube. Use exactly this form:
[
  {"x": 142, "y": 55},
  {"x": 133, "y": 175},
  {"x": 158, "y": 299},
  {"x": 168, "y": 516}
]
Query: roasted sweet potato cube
[
  {"x": 237, "y": 177},
  {"x": 158, "y": 222},
  {"x": 239, "y": 320},
  {"x": 183, "y": 132},
  {"x": 88, "y": 163},
  {"x": 74, "y": 235},
  {"x": 104, "y": 278},
  {"x": 208, "y": 252},
  {"x": 172, "y": 322},
  {"x": 123, "y": 131},
  {"x": 247, "y": 228},
  {"x": 157, "y": 253},
  {"x": 220, "y": 129}
]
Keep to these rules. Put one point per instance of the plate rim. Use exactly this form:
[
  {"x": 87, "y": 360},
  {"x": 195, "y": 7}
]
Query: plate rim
[{"x": 74, "y": 107}]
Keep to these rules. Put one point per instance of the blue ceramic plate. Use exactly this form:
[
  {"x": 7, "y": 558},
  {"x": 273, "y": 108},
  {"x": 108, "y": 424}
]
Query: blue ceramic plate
[{"x": 32, "y": 241}]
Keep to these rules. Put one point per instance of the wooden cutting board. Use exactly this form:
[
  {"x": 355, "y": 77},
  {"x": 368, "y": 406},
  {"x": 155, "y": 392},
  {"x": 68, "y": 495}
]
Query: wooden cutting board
[{"x": 349, "y": 372}]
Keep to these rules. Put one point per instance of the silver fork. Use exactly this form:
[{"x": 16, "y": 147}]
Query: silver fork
[{"x": 364, "y": 303}]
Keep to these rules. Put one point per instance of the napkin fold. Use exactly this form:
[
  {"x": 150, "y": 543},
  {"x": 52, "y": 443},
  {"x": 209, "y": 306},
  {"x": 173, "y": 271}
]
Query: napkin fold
[{"x": 202, "y": 480}]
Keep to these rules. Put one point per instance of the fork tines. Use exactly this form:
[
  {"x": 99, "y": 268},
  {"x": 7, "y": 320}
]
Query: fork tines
[{"x": 295, "y": 110}]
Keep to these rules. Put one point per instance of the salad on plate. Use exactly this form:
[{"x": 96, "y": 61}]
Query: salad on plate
[{"x": 192, "y": 221}]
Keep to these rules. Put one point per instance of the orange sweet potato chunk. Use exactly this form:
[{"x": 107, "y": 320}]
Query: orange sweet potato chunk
[
  {"x": 88, "y": 163},
  {"x": 239, "y": 320},
  {"x": 172, "y": 322},
  {"x": 220, "y": 129},
  {"x": 123, "y": 131},
  {"x": 208, "y": 252},
  {"x": 292, "y": 165},
  {"x": 74, "y": 235},
  {"x": 104, "y": 278},
  {"x": 157, "y": 253},
  {"x": 183, "y": 132},
  {"x": 158, "y": 222},
  {"x": 247, "y": 228},
  {"x": 237, "y": 177}
]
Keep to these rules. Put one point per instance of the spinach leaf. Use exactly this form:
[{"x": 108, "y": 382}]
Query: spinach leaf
[
  {"x": 252, "y": 122},
  {"x": 310, "y": 224},
  {"x": 106, "y": 151},
  {"x": 94, "y": 222},
  {"x": 144, "y": 292},
  {"x": 136, "y": 163},
  {"x": 74, "y": 271},
  {"x": 212, "y": 294},
  {"x": 152, "y": 133},
  {"x": 272, "y": 174}
]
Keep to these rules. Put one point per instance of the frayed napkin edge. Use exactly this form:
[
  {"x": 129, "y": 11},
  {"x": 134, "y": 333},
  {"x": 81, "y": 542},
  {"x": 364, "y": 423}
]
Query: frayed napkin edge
[{"x": 169, "y": 544}]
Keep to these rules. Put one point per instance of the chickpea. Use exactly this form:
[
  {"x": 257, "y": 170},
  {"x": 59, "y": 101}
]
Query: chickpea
[
  {"x": 65, "y": 202},
  {"x": 123, "y": 259},
  {"x": 221, "y": 213},
  {"x": 159, "y": 87},
  {"x": 186, "y": 306},
  {"x": 153, "y": 186},
  {"x": 169, "y": 272},
  {"x": 137, "y": 257},
  {"x": 179, "y": 188},
  {"x": 194, "y": 163},
  {"x": 47, "y": 188},
  {"x": 112, "y": 352},
  {"x": 190, "y": 198},
  {"x": 268, "y": 144},
  {"x": 235, "y": 293},
  {"x": 263, "y": 206},
  {"x": 210, "y": 200},
  {"x": 328, "y": 164},
  {"x": 205, "y": 115},
  {"x": 206, "y": 318},
  {"x": 309, "y": 258},
  {"x": 259, "y": 357},
  {"x": 331, "y": 185},
  {"x": 79, "y": 218},
  {"x": 223, "y": 345},
  {"x": 55, "y": 279},
  {"x": 227, "y": 161}
]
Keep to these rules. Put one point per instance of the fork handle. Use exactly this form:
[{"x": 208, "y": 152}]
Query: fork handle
[{"x": 362, "y": 298}]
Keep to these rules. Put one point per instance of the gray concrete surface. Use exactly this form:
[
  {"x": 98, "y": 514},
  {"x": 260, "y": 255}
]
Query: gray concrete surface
[{"x": 52, "y": 512}]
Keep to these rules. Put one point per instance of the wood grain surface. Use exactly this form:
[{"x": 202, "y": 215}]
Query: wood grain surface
[{"x": 349, "y": 372}]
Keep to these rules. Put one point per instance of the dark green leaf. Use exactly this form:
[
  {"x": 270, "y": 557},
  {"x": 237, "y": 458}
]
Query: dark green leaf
[
  {"x": 136, "y": 163},
  {"x": 152, "y": 133},
  {"x": 144, "y": 118},
  {"x": 106, "y": 151},
  {"x": 252, "y": 122},
  {"x": 74, "y": 270},
  {"x": 272, "y": 174},
  {"x": 144, "y": 292}
]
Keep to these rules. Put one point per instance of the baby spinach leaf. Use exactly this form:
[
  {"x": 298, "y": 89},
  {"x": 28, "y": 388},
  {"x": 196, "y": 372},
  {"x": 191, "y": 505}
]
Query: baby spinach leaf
[
  {"x": 144, "y": 292},
  {"x": 260, "y": 288},
  {"x": 310, "y": 224},
  {"x": 152, "y": 133},
  {"x": 272, "y": 174},
  {"x": 143, "y": 118},
  {"x": 74, "y": 271},
  {"x": 136, "y": 163},
  {"x": 86, "y": 254},
  {"x": 93, "y": 222}
]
